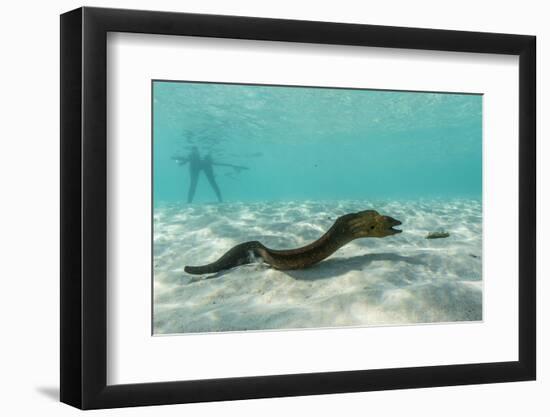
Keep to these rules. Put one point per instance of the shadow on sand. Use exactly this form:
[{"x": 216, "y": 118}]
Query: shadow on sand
[{"x": 337, "y": 266}]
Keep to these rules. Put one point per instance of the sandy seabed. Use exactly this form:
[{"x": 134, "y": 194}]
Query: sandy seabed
[{"x": 401, "y": 279}]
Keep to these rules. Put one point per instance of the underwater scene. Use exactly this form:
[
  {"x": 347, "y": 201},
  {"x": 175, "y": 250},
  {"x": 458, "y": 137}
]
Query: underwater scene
[{"x": 286, "y": 207}]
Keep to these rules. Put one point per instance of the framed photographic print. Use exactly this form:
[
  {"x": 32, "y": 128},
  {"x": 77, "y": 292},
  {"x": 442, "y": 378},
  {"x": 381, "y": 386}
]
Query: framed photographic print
[{"x": 260, "y": 207}]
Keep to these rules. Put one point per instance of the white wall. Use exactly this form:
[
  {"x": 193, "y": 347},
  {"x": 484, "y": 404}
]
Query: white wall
[{"x": 29, "y": 210}]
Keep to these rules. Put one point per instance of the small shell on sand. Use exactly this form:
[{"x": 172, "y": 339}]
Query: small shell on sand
[{"x": 437, "y": 235}]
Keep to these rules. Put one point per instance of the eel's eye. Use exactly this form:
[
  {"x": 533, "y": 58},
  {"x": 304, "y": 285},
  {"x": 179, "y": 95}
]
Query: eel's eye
[{"x": 372, "y": 227}]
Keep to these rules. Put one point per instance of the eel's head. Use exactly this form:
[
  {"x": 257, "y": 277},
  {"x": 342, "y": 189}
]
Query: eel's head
[{"x": 370, "y": 223}]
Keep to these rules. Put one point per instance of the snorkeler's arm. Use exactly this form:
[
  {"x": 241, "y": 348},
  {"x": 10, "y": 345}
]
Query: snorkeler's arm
[
  {"x": 181, "y": 160},
  {"x": 239, "y": 167}
]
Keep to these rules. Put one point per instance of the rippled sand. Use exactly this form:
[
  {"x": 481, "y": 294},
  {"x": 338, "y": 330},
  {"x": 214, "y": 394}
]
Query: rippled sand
[{"x": 400, "y": 279}]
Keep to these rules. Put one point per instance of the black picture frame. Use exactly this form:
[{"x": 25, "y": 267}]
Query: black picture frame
[{"x": 84, "y": 207}]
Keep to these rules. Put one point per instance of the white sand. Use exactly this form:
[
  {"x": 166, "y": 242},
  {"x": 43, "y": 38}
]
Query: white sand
[{"x": 395, "y": 280}]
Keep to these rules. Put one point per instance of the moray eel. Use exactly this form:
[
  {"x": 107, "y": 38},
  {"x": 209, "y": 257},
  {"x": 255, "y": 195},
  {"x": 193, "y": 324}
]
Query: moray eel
[{"x": 368, "y": 223}]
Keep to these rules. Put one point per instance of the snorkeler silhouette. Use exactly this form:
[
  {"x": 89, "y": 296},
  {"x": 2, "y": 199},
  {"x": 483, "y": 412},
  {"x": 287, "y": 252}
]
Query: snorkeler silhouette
[{"x": 198, "y": 164}]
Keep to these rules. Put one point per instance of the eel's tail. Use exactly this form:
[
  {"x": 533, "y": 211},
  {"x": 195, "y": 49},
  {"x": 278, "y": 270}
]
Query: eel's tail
[{"x": 242, "y": 254}]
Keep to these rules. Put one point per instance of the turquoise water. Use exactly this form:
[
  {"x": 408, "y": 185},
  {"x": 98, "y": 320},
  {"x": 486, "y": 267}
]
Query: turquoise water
[{"x": 302, "y": 143}]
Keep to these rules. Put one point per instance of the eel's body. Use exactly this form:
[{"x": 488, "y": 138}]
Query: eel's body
[{"x": 368, "y": 223}]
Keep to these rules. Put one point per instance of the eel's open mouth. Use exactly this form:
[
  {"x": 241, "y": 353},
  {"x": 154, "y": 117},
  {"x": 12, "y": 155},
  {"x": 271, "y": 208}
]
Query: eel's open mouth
[{"x": 394, "y": 223}]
